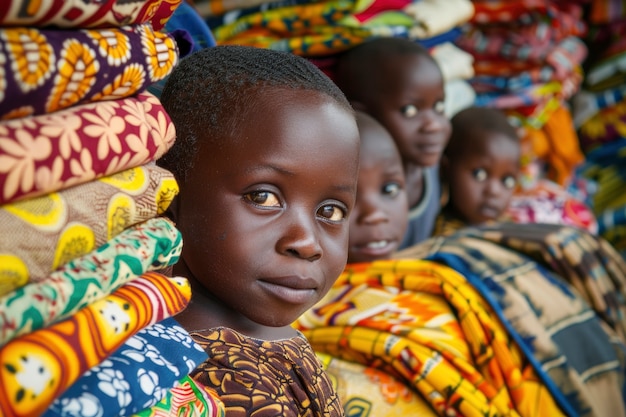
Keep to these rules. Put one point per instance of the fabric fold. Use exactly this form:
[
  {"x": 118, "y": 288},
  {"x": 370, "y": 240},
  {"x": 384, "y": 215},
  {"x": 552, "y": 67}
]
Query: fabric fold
[
  {"x": 46, "y": 70},
  {"x": 41, "y": 365},
  {"x": 51, "y": 152},
  {"x": 148, "y": 246},
  {"x": 55, "y": 228}
]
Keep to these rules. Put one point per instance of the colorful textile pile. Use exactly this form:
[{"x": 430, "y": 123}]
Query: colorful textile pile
[
  {"x": 86, "y": 319},
  {"x": 317, "y": 29},
  {"x": 560, "y": 292},
  {"x": 320, "y": 30},
  {"x": 599, "y": 111},
  {"x": 527, "y": 59},
  {"x": 425, "y": 325}
]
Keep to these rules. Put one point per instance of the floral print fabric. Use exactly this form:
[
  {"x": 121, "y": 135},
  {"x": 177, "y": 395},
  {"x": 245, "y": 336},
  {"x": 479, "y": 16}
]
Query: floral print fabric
[
  {"x": 45, "y": 70},
  {"x": 60, "y": 226},
  {"x": 73, "y": 146},
  {"x": 39, "y": 366},
  {"x": 189, "y": 398},
  {"x": 148, "y": 246},
  {"x": 85, "y": 14},
  {"x": 265, "y": 378},
  {"x": 136, "y": 376}
]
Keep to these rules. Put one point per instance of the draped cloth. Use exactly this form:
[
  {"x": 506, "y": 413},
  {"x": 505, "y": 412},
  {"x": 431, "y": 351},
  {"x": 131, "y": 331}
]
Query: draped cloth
[
  {"x": 425, "y": 324},
  {"x": 560, "y": 292}
]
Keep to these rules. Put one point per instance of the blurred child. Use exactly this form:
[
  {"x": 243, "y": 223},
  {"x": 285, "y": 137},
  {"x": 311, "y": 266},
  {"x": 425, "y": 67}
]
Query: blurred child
[
  {"x": 397, "y": 82},
  {"x": 266, "y": 158},
  {"x": 480, "y": 167},
  {"x": 379, "y": 219}
]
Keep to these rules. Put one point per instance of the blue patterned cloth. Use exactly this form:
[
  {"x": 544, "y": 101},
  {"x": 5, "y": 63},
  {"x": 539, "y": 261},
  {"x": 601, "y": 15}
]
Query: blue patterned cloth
[{"x": 135, "y": 377}]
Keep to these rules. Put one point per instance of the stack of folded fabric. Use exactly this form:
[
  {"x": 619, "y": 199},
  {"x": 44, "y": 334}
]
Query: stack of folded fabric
[
  {"x": 527, "y": 59},
  {"x": 317, "y": 29},
  {"x": 320, "y": 30},
  {"x": 599, "y": 111},
  {"x": 86, "y": 323}
]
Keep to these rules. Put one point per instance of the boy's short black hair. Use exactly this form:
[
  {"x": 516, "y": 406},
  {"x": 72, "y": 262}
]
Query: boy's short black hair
[
  {"x": 362, "y": 64},
  {"x": 209, "y": 93},
  {"x": 474, "y": 120}
]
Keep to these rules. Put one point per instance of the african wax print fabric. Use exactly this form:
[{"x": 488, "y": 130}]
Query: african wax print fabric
[
  {"x": 46, "y": 70},
  {"x": 368, "y": 391},
  {"x": 189, "y": 398},
  {"x": 317, "y": 29},
  {"x": 604, "y": 170},
  {"x": 268, "y": 378},
  {"x": 84, "y": 14},
  {"x": 148, "y": 246},
  {"x": 55, "y": 228},
  {"x": 136, "y": 376},
  {"x": 51, "y": 152},
  {"x": 425, "y": 323},
  {"x": 560, "y": 292},
  {"x": 547, "y": 202},
  {"x": 41, "y": 365}
]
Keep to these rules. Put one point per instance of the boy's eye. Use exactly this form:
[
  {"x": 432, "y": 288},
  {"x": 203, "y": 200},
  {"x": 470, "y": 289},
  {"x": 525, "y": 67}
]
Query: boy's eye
[
  {"x": 263, "y": 198},
  {"x": 332, "y": 213},
  {"x": 509, "y": 182},
  {"x": 392, "y": 189},
  {"x": 440, "y": 107},
  {"x": 409, "y": 110},
  {"x": 480, "y": 174}
]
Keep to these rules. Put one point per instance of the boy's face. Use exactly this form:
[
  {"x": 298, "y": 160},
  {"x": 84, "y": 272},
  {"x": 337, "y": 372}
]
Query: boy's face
[
  {"x": 264, "y": 217},
  {"x": 482, "y": 179},
  {"x": 379, "y": 219},
  {"x": 410, "y": 105}
]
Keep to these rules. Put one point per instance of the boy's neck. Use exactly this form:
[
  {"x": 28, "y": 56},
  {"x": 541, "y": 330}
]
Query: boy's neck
[
  {"x": 414, "y": 183},
  {"x": 205, "y": 312}
]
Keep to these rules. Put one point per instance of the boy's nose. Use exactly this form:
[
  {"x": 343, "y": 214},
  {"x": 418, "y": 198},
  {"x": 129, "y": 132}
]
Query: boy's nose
[
  {"x": 300, "y": 238},
  {"x": 493, "y": 188},
  {"x": 433, "y": 121},
  {"x": 370, "y": 211}
]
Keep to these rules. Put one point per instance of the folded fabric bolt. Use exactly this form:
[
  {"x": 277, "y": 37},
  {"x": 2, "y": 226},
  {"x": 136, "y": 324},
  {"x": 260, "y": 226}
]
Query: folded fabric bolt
[
  {"x": 39, "y": 366},
  {"x": 140, "y": 373},
  {"x": 85, "y": 14},
  {"x": 148, "y": 246},
  {"x": 42, "y": 233},
  {"x": 52, "y": 152},
  {"x": 46, "y": 70}
]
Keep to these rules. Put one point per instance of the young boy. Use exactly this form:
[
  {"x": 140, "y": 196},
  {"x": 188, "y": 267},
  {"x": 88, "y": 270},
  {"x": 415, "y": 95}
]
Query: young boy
[
  {"x": 480, "y": 166},
  {"x": 266, "y": 158},
  {"x": 397, "y": 82},
  {"x": 379, "y": 219}
]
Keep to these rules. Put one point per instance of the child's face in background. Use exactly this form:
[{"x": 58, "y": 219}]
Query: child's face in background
[
  {"x": 379, "y": 219},
  {"x": 411, "y": 106},
  {"x": 483, "y": 178},
  {"x": 265, "y": 216}
]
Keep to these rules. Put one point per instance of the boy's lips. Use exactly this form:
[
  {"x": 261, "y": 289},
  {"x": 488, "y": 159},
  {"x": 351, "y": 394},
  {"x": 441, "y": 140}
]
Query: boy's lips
[
  {"x": 430, "y": 148},
  {"x": 490, "y": 211},
  {"x": 291, "y": 289},
  {"x": 376, "y": 248}
]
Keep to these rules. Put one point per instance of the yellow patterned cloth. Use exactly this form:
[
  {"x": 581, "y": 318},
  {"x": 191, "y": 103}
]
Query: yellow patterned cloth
[
  {"x": 426, "y": 325},
  {"x": 366, "y": 391},
  {"x": 39, "y": 366},
  {"x": 50, "y": 230}
]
